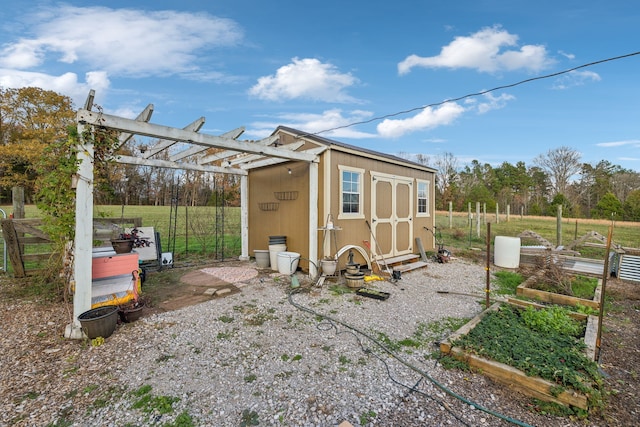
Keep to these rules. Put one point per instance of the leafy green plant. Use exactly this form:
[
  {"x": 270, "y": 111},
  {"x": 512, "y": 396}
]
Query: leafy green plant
[
  {"x": 249, "y": 418},
  {"x": 450, "y": 362},
  {"x": 149, "y": 403},
  {"x": 367, "y": 417},
  {"x": 142, "y": 390},
  {"x": 182, "y": 420},
  {"x": 387, "y": 342},
  {"x": 344, "y": 360},
  {"x": 225, "y": 319},
  {"x": 338, "y": 290},
  {"x": 506, "y": 282},
  {"x": 583, "y": 286},
  {"x": 545, "y": 351},
  {"x": 554, "y": 319}
]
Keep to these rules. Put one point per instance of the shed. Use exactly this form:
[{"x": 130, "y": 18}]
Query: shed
[
  {"x": 289, "y": 183},
  {"x": 375, "y": 201}
]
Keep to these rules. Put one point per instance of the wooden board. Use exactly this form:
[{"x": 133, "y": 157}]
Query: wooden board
[
  {"x": 423, "y": 255},
  {"x": 518, "y": 380},
  {"x": 559, "y": 299}
]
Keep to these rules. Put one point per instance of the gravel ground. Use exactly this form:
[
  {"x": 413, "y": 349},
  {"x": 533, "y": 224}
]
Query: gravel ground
[{"x": 259, "y": 355}]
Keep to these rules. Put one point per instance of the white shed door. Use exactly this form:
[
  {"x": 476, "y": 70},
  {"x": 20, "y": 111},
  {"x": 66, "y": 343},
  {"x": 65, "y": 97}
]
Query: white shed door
[{"x": 391, "y": 214}]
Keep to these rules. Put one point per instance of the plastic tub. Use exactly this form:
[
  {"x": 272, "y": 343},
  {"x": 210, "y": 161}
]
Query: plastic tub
[
  {"x": 262, "y": 258},
  {"x": 274, "y": 250},
  {"x": 288, "y": 262}
]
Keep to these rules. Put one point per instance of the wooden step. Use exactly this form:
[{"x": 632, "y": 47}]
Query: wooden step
[
  {"x": 410, "y": 266},
  {"x": 401, "y": 259}
]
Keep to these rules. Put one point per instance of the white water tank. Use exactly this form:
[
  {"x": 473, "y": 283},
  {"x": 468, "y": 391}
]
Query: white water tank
[{"x": 506, "y": 252}]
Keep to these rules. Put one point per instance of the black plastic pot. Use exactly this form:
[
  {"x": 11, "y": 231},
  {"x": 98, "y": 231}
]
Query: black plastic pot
[
  {"x": 99, "y": 322},
  {"x": 130, "y": 314}
]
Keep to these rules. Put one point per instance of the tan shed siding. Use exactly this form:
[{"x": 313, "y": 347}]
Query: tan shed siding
[
  {"x": 354, "y": 231},
  {"x": 291, "y": 217}
]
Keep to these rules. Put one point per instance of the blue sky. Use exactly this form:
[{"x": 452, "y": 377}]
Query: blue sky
[{"x": 324, "y": 65}]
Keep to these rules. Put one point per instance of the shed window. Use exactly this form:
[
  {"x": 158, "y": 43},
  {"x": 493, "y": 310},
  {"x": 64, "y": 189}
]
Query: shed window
[
  {"x": 351, "y": 192},
  {"x": 423, "y": 198}
]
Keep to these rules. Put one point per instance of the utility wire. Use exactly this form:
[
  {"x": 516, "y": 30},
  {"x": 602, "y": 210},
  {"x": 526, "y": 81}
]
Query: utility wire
[{"x": 470, "y": 95}]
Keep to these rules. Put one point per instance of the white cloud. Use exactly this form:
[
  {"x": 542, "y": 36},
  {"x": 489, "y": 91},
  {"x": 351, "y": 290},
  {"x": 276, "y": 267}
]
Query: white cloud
[
  {"x": 121, "y": 41},
  {"x": 315, "y": 123},
  {"x": 567, "y": 55},
  {"x": 66, "y": 83},
  {"x": 306, "y": 78},
  {"x": 575, "y": 78},
  {"x": 490, "y": 102},
  {"x": 633, "y": 142},
  {"x": 426, "y": 119},
  {"x": 486, "y": 51}
]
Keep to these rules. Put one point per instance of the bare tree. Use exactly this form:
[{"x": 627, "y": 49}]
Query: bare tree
[
  {"x": 624, "y": 182},
  {"x": 446, "y": 176},
  {"x": 560, "y": 164}
]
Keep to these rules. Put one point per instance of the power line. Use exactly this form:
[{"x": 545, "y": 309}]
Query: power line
[{"x": 470, "y": 95}]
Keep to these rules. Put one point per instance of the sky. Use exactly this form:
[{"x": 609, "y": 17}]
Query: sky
[{"x": 400, "y": 77}]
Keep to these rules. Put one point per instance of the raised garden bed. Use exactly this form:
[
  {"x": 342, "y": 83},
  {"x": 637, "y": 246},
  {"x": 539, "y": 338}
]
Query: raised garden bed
[
  {"x": 514, "y": 355},
  {"x": 528, "y": 289}
]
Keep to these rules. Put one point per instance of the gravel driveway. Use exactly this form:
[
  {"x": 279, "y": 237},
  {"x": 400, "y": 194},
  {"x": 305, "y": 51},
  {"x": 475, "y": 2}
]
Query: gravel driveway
[{"x": 263, "y": 356}]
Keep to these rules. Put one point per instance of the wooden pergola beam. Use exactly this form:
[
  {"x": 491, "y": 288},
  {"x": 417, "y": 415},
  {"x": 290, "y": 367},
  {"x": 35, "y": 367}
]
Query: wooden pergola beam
[{"x": 121, "y": 124}]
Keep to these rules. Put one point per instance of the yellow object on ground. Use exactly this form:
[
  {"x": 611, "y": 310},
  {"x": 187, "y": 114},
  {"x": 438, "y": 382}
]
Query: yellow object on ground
[{"x": 372, "y": 278}]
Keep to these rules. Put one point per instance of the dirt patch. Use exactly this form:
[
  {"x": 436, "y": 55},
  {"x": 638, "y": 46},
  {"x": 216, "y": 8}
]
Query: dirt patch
[
  {"x": 620, "y": 353},
  {"x": 182, "y": 287}
]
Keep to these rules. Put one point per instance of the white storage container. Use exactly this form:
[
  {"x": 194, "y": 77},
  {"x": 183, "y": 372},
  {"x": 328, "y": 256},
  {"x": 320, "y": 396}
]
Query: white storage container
[{"x": 506, "y": 252}]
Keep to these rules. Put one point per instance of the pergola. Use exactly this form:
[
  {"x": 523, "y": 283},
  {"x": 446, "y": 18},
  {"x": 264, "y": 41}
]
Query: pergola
[{"x": 237, "y": 157}]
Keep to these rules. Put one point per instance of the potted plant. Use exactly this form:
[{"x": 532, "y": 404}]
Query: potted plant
[
  {"x": 133, "y": 310},
  {"x": 328, "y": 265},
  {"x": 125, "y": 242}
]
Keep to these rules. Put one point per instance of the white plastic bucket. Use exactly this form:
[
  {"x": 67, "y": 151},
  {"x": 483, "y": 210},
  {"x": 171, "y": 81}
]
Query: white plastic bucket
[
  {"x": 506, "y": 252},
  {"x": 262, "y": 258},
  {"x": 274, "y": 250},
  {"x": 288, "y": 262}
]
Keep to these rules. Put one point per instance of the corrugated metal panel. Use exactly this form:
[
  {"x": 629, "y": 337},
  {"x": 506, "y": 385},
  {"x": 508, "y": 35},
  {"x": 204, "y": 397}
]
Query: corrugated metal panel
[
  {"x": 629, "y": 268},
  {"x": 583, "y": 265}
]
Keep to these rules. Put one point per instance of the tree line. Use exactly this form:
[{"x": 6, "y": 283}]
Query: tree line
[
  {"x": 33, "y": 120},
  {"x": 556, "y": 178}
]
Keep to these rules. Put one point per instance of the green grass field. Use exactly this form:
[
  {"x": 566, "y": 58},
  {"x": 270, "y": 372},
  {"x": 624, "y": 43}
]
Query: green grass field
[
  {"x": 195, "y": 230},
  {"x": 196, "y": 234},
  {"x": 461, "y": 236}
]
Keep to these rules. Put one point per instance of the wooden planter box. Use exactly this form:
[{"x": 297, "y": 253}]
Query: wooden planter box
[
  {"x": 525, "y": 289},
  {"x": 514, "y": 378}
]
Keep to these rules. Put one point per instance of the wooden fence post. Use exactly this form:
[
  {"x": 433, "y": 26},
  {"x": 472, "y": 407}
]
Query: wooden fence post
[{"x": 13, "y": 247}]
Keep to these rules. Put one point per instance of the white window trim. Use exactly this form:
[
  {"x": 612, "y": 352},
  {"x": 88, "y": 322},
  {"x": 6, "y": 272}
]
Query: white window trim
[
  {"x": 360, "y": 214},
  {"x": 428, "y": 184}
]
